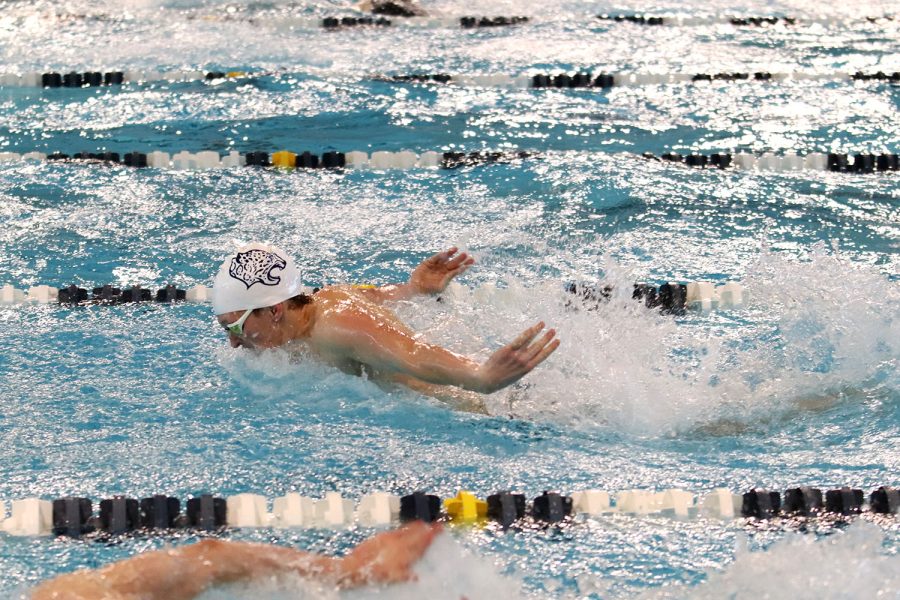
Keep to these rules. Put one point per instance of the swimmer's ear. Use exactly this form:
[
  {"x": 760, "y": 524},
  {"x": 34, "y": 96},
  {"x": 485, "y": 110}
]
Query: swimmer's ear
[{"x": 277, "y": 311}]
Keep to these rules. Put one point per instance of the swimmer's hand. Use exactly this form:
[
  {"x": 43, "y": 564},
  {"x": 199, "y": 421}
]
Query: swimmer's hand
[
  {"x": 433, "y": 275},
  {"x": 387, "y": 557},
  {"x": 430, "y": 277},
  {"x": 510, "y": 363}
]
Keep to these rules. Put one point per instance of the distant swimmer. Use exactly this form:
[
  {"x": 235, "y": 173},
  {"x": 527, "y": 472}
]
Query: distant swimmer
[
  {"x": 259, "y": 300},
  {"x": 186, "y": 572},
  {"x": 392, "y": 8}
]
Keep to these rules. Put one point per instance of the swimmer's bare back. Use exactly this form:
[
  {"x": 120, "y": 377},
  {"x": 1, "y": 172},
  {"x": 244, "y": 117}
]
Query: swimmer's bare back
[
  {"x": 183, "y": 573},
  {"x": 347, "y": 325}
]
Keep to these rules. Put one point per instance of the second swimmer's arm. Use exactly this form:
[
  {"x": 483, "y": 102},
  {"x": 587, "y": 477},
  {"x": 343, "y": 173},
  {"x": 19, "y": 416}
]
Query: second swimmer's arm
[{"x": 184, "y": 573}]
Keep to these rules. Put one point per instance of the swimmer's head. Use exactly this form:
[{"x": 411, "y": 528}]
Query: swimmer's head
[{"x": 255, "y": 276}]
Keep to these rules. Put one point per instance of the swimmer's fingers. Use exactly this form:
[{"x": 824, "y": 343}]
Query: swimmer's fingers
[
  {"x": 457, "y": 270},
  {"x": 413, "y": 547},
  {"x": 526, "y": 336},
  {"x": 451, "y": 263},
  {"x": 442, "y": 257},
  {"x": 534, "y": 350},
  {"x": 512, "y": 362},
  {"x": 433, "y": 275},
  {"x": 546, "y": 349},
  {"x": 460, "y": 260},
  {"x": 389, "y": 557}
]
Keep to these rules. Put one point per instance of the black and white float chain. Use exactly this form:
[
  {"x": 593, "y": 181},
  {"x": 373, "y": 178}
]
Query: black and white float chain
[
  {"x": 344, "y": 22},
  {"x": 468, "y": 22},
  {"x": 74, "y": 516},
  {"x": 106, "y": 295},
  {"x": 737, "y": 21},
  {"x": 860, "y": 163},
  {"x": 579, "y": 80},
  {"x": 673, "y": 298},
  {"x": 283, "y": 159}
]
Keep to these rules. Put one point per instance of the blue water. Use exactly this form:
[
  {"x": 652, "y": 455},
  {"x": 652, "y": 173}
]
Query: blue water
[{"x": 799, "y": 388}]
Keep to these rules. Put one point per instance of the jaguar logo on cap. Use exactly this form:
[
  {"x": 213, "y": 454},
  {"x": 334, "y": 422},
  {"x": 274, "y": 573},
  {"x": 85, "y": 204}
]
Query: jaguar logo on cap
[{"x": 256, "y": 266}]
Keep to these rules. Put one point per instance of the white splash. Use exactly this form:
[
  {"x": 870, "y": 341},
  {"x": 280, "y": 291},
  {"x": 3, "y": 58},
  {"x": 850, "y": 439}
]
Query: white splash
[
  {"x": 815, "y": 331},
  {"x": 850, "y": 564}
]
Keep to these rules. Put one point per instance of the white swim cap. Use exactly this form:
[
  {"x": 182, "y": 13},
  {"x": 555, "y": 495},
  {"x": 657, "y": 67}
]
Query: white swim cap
[{"x": 255, "y": 276}]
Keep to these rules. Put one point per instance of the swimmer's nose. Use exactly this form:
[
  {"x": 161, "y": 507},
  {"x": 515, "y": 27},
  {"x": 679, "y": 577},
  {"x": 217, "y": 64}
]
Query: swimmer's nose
[{"x": 235, "y": 341}]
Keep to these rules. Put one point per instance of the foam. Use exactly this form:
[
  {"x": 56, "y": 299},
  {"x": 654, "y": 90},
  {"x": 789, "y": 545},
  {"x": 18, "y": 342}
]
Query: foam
[
  {"x": 449, "y": 571},
  {"x": 849, "y": 564},
  {"x": 831, "y": 326},
  {"x": 285, "y": 371}
]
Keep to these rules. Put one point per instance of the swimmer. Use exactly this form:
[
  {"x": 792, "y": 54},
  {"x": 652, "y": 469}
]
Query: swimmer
[
  {"x": 259, "y": 300},
  {"x": 188, "y": 571},
  {"x": 392, "y": 8}
]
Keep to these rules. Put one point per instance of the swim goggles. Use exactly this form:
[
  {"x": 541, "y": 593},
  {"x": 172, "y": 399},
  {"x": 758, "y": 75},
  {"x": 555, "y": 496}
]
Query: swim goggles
[{"x": 237, "y": 328}]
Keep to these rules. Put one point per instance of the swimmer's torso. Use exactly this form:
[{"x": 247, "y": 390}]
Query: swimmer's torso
[
  {"x": 343, "y": 315},
  {"x": 344, "y": 311}
]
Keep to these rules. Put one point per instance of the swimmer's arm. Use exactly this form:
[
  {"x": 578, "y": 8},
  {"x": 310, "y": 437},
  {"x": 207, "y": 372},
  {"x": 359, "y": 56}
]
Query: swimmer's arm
[
  {"x": 457, "y": 398},
  {"x": 377, "y": 339},
  {"x": 183, "y": 573},
  {"x": 431, "y": 277}
]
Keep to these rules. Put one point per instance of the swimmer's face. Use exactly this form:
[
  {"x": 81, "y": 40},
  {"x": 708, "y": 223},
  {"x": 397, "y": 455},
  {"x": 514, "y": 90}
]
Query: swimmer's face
[{"x": 257, "y": 331}]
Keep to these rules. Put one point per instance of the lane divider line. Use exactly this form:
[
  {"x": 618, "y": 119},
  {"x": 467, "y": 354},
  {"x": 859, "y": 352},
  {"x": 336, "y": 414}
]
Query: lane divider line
[
  {"x": 735, "y": 20},
  {"x": 407, "y": 21},
  {"x": 564, "y": 80},
  {"x": 380, "y": 160},
  {"x": 284, "y": 159},
  {"x": 74, "y": 516},
  {"x": 672, "y": 297}
]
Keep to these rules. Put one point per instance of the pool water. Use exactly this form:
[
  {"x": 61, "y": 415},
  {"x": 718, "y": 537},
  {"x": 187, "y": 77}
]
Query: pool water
[{"x": 799, "y": 388}]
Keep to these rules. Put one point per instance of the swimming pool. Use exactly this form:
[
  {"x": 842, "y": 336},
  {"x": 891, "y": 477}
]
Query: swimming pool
[{"x": 799, "y": 388}]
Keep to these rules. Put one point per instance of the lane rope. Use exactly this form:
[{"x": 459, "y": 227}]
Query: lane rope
[
  {"x": 735, "y": 20},
  {"x": 577, "y": 80},
  {"x": 409, "y": 17},
  {"x": 383, "y": 160},
  {"x": 75, "y": 517},
  {"x": 336, "y": 22},
  {"x": 671, "y": 297}
]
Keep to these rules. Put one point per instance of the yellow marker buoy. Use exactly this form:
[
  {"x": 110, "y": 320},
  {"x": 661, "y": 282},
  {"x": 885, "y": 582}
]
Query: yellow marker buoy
[
  {"x": 284, "y": 158},
  {"x": 466, "y": 508}
]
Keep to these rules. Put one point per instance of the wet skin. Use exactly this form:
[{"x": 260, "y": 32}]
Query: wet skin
[{"x": 185, "y": 572}]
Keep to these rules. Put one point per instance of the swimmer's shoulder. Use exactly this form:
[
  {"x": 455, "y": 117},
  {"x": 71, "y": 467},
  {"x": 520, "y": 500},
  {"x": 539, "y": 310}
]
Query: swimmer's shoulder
[
  {"x": 340, "y": 311},
  {"x": 339, "y": 299},
  {"x": 332, "y": 292},
  {"x": 340, "y": 292},
  {"x": 347, "y": 306}
]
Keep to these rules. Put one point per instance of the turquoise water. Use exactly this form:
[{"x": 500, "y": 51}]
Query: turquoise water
[{"x": 800, "y": 388}]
